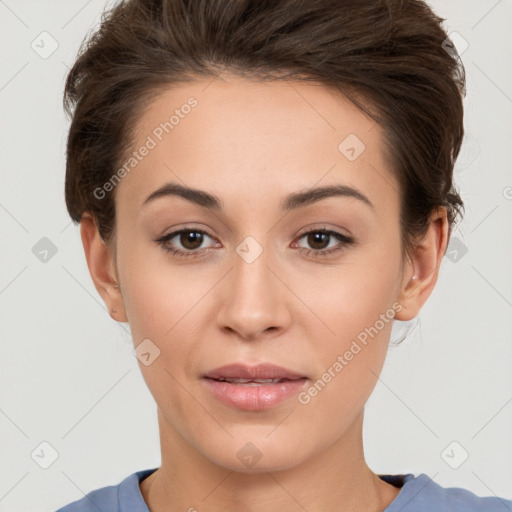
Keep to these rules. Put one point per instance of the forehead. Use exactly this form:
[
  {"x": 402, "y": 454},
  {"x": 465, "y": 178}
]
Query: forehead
[{"x": 238, "y": 137}]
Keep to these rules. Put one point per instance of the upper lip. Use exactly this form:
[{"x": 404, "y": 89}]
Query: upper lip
[{"x": 259, "y": 371}]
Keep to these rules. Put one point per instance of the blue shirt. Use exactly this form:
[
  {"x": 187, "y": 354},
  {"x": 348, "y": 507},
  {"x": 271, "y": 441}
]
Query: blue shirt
[{"x": 418, "y": 494}]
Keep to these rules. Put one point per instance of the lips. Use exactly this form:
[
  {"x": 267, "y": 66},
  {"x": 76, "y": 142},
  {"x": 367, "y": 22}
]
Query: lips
[
  {"x": 253, "y": 388},
  {"x": 264, "y": 373}
]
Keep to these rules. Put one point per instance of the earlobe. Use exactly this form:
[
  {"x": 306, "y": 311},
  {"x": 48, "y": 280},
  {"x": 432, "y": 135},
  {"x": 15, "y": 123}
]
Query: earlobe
[
  {"x": 101, "y": 267},
  {"x": 422, "y": 272}
]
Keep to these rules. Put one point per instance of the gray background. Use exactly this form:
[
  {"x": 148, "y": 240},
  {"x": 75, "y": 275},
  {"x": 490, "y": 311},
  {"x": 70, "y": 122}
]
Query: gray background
[{"x": 68, "y": 376}]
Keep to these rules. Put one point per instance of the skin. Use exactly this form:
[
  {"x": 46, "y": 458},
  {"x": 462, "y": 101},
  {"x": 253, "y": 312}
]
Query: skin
[{"x": 251, "y": 144}]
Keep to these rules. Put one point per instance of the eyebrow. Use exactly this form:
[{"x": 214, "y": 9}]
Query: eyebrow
[{"x": 290, "y": 202}]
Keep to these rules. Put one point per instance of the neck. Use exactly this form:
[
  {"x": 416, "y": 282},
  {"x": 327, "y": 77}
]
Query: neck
[{"x": 336, "y": 479}]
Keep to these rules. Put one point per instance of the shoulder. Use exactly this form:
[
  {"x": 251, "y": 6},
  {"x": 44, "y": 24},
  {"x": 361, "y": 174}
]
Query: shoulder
[
  {"x": 122, "y": 497},
  {"x": 421, "y": 494}
]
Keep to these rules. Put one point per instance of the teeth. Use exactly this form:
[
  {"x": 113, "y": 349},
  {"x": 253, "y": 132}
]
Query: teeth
[{"x": 253, "y": 381}]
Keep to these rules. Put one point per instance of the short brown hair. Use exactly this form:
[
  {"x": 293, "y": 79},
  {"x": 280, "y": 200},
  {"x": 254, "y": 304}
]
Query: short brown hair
[{"x": 387, "y": 56}]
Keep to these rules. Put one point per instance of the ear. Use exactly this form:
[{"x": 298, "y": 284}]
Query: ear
[
  {"x": 102, "y": 268},
  {"x": 420, "y": 274}
]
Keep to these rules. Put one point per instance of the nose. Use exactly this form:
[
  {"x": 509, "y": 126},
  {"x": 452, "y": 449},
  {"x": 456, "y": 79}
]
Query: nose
[{"x": 254, "y": 299}]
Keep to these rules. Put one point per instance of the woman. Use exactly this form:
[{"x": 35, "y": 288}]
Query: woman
[{"x": 262, "y": 188}]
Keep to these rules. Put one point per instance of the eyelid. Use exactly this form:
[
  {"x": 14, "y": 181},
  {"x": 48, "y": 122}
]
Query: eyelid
[{"x": 322, "y": 226}]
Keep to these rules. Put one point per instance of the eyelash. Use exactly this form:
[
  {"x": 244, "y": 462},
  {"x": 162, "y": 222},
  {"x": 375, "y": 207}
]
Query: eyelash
[{"x": 345, "y": 241}]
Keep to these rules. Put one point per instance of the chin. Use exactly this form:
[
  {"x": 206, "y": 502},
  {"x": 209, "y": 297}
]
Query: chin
[{"x": 259, "y": 455}]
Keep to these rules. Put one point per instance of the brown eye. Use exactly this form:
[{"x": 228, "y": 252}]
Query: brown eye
[
  {"x": 319, "y": 239},
  {"x": 189, "y": 239}
]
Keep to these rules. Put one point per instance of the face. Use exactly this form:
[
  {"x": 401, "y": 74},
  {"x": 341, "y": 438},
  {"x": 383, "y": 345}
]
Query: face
[{"x": 310, "y": 285}]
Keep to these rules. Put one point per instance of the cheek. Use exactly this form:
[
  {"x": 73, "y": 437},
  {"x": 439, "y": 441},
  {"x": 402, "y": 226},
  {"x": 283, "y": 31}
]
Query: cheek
[
  {"x": 349, "y": 365},
  {"x": 342, "y": 301},
  {"x": 362, "y": 329},
  {"x": 355, "y": 306},
  {"x": 165, "y": 303},
  {"x": 158, "y": 293}
]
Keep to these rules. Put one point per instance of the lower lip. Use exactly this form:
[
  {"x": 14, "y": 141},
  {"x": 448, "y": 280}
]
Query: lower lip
[{"x": 254, "y": 397}]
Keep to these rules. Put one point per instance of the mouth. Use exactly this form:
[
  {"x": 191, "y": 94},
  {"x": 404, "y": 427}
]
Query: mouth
[{"x": 253, "y": 388}]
